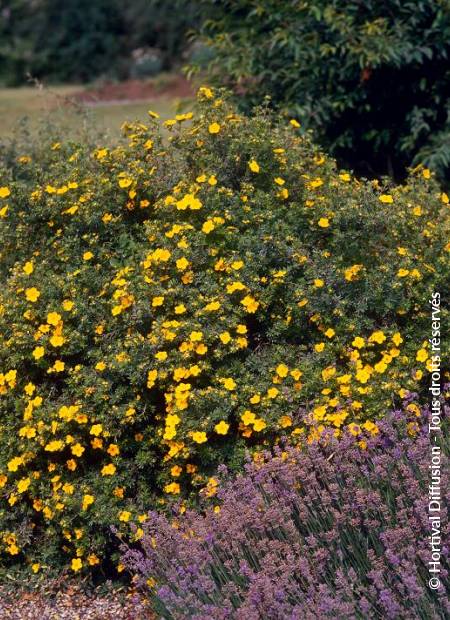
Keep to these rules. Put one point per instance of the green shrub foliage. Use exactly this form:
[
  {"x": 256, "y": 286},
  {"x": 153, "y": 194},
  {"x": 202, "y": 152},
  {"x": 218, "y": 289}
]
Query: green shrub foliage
[{"x": 168, "y": 304}]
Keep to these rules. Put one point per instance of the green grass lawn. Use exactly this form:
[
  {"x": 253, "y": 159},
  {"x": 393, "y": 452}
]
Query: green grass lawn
[{"x": 37, "y": 104}]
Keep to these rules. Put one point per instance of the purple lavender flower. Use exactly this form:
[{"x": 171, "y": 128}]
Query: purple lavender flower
[{"x": 329, "y": 530}]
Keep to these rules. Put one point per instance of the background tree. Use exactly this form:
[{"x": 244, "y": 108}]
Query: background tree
[
  {"x": 371, "y": 77},
  {"x": 79, "y": 40}
]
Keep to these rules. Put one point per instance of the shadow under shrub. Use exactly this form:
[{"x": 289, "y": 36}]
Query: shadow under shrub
[
  {"x": 331, "y": 530},
  {"x": 168, "y": 304}
]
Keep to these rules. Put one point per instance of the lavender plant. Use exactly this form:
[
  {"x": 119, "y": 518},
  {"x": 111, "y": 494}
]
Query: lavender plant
[{"x": 336, "y": 529}]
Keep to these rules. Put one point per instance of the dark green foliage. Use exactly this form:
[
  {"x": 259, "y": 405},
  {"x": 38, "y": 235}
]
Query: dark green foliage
[
  {"x": 371, "y": 77},
  {"x": 78, "y": 40},
  {"x": 160, "y": 24}
]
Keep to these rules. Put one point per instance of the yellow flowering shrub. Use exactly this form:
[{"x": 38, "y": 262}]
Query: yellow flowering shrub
[{"x": 168, "y": 304}]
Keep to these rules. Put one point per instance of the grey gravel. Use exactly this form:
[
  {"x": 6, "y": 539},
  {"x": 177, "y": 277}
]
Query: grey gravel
[{"x": 72, "y": 604}]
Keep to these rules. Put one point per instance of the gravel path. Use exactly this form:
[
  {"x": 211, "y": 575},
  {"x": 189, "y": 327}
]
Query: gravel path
[{"x": 71, "y": 604}]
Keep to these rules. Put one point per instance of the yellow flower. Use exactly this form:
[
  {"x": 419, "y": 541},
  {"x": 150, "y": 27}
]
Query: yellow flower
[
  {"x": 328, "y": 372},
  {"x": 32, "y": 294},
  {"x": 54, "y": 446},
  {"x": 176, "y": 471},
  {"x": 58, "y": 366},
  {"x": 182, "y": 263},
  {"x": 152, "y": 375},
  {"x": 35, "y": 567},
  {"x": 77, "y": 449},
  {"x": 212, "y": 306},
  {"x": 199, "y": 437},
  {"x": 377, "y": 337},
  {"x": 229, "y": 384},
  {"x": 253, "y": 165},
  {"x": 397, "y": 339},
  {"x": 222, "y": 428},
  {"x": 225, "y": 337},
  {"x": 259, "y": 425},
  {"x": 282, "y": 370},
  {"x": 180, "y": 309},
  {"x": 38, "y": 352},
  {"x": 330, "y": 333},
  {"x": 351, "y": 273},
  {"x": 124, "y": 516},
  {"x": 235, "y": 286},
  {"x": 402, "y": 273},
  {"x": 157, "y": 301},
  {"x": 88, "y": 256},
  {"x": 250, "y": 304},
  {"x": 422, "y": 355},
  {"x": 108, "y": 470},
  {"x": 315, "y": 183},
  {"x": 100, "y": 366},
  {"x": 380, "y": 367},
  {"x": 87, "y": 501},
  {"x": 13, "y": 464},
  {"x": 248, "y": 417},
  {"x": 113, "y": 450},
  {"x": 285, "y": 421},
  {"x": 172, "y": 487},
  {"x": 370, "y": 426},
  {"x": 23, "y": 485},
  {"x": 196, "y": 336},
  {"x": 124, "y": 183},
  {"x": 294, "y": 123},
  {"x": 67, "y": 305},
  {"x": 386, "y": 198},
  {"x": 358, "y": 342},
  {"x": 214, "y": 128},
  {"x": 28, "y": 268},
  {"x": 363, "y": 375},
  {"x": 13, "y": 549},
  {"x": 57, "y": 341},
  {"x": 96, "y": 430},
  {"x": 76, "y": 564},
  {"x": 324, "y": 222},
  {"x": 319, "y": 347},
  {"x": 5, "y": 192},
  {"x": 208, "y": 227},
  {"x": 319, "y": 283},
  {"x": 53, "y": 318},
  {"x": 189, "y": 201}
]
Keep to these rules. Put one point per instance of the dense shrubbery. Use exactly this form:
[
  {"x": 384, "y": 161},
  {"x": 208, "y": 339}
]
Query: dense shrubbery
[
  {"x": 71, "y": 40},
  {"x": 328, "y": 531},
  {"x": 372, "y": 78},
  {"x": 166, "y": 306}
]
